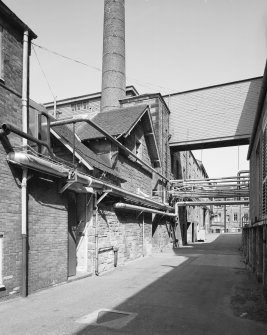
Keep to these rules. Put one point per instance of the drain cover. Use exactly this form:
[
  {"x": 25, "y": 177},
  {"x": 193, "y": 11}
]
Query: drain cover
[
  {"x": 108, "y": 318},
  {"x": 104, "y": 316}
]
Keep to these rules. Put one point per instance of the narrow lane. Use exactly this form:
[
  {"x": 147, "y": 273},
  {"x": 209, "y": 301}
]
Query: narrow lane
[{"x": 194, "y": 291}]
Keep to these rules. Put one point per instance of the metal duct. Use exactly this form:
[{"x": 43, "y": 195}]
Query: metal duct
[
  {"x": 113, "y": 61},
  {"x": 45, "y": 166}
]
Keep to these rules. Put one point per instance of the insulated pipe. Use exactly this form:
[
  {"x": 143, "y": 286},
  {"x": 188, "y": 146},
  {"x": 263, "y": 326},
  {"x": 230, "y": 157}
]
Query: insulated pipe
[
  {"x": 113, "y": 62},
  {"x": 7, "y": 128},
  {"x": 132, "y": 196},
  {"x": 120, "y": 205},
  {"x": 84, "y": 118},
  {"x": 45, "y": 166},
  {"x": 219, "y": 203}
]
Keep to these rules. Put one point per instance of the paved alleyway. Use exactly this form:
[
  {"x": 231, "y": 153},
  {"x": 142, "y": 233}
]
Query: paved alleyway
[{"x": 195, "y": 291}]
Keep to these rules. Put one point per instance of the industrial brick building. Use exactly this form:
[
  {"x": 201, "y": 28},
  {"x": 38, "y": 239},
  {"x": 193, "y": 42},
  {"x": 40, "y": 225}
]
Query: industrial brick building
[
  {"x": 84, "y": 194},
  {"x": 229, "y": 218},
  {"x": 255, "y": 233}
]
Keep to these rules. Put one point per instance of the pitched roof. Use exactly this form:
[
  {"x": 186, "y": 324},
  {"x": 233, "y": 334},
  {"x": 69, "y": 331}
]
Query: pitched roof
[
  {"x": 15, "y": 19},
  {"x": 87, "y": 154},
  {"x": 66, "y": 137},
  {"x": 116, "y": 122}
]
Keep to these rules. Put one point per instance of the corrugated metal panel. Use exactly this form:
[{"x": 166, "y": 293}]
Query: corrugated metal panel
[{"x": 204, "y": 115}]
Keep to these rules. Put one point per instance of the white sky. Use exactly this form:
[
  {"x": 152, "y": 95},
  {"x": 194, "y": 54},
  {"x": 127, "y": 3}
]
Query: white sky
[{"x": 171, "y": 46}]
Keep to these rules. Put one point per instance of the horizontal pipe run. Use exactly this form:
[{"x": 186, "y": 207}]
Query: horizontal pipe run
[
  {"x": 90, "y": 122},
  {"x": 120, "y": 205},
  {"x": 45, "y": 166},
  {"x": 209, "y": 203},
  {"x": 7, "y": 128},
  {"x": 209, "y": 180},
  {"x": 129, "y": 195},
  {"x": 105, "y": 249},
  {"x": 200, "y": 195}
]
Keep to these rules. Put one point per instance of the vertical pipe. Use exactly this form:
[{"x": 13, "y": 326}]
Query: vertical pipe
[
  {"x": 143, "y": 236},
  {"x": 24, "y": 233},
  {"x": 96, "y": 236},
  {"x": 25, "y": 77},
  {"x": 224, "y": 217},
  {"x": 24, "y": 209},
  {"x": 113, "y": 62},
  {"x": 55, "y": 108}
]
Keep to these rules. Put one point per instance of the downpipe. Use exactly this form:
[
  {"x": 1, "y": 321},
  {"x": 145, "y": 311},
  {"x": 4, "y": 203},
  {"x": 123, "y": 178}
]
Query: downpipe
[{"x": 24, "y": 233}]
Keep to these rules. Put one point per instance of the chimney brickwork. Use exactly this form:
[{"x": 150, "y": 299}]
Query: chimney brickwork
[{"x": 113, "y": 64}]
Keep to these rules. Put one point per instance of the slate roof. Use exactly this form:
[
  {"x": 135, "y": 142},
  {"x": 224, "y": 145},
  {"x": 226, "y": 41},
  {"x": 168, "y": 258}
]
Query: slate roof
[
  {"x": 213, "y": 113},
  {"x": 116, "y": 122},
  {"x": 67, "y": 135},
  {"x": 88, "y": 155}
]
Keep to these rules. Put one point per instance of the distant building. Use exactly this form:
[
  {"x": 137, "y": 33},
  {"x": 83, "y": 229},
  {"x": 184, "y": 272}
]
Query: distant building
[{"x": 229, "y": 218}]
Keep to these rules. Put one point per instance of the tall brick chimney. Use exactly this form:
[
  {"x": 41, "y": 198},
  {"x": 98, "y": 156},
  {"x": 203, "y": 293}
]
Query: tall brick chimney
[{"x": 113, "y": 62}]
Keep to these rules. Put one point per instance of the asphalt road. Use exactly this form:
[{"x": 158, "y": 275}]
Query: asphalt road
[{"x": 200, "y": 289}]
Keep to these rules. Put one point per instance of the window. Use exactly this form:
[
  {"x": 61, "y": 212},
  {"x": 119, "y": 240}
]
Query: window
[
  {"x": 138, "y": 148},
  {"x": 235, "y": 217},
  {"x": 38, "y": 128},
  {"x": 245, "y": 218},
  {"x": 1, "y": 54}
]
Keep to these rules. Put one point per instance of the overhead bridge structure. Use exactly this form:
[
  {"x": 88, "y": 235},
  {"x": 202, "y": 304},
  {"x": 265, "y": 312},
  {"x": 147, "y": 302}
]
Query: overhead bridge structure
[{"x": 215, "y": 116}]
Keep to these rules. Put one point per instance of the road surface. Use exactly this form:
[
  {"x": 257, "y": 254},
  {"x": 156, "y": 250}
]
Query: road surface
[{"x": 200, "y": 289}]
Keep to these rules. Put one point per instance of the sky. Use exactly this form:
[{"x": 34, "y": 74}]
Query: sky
[{"x": 171, "y": 46}]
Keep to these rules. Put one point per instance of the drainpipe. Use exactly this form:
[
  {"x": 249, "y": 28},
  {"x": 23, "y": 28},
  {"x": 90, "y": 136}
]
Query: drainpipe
[
  {"x": 143, "y": 235},
  {"x": 96, "y": 236},
  {"x": 24, "y": 235},
  {"x": 24, "y": 210}
]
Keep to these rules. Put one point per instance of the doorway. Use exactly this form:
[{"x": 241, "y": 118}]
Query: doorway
[{"x": 78, "y": 218}]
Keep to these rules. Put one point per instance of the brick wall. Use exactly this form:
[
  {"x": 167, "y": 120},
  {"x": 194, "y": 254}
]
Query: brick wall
[
  {"x": 10, "y": 194},
  {"x": 48, "y": 234}
]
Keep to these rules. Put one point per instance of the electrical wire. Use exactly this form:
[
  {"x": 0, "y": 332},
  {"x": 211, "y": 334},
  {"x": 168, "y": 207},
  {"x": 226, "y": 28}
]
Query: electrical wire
[
  {"x": 140, "y": 83},
  {"x": 49, "y": 86}
]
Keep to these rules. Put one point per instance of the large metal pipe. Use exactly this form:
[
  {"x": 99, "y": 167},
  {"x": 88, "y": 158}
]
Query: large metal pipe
[
  {"x": 8, "y": 128},
  {"x": 121, "y": 205},
  {"x": 113, "y": 61},
  {"x": 45, "y": 166},
  {"x": 208, "y": 203},
  {"x": 85, "y": 118}
]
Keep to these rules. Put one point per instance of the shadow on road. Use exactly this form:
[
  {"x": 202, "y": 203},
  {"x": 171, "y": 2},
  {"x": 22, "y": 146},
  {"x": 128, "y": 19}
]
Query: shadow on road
[{"x": 194, "y": 296}]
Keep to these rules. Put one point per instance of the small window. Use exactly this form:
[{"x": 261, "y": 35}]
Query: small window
[
  {"x": 1, "y": 54},
  {"x": 235, "y": 217},
  {"x": 138, "y": 148}
]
